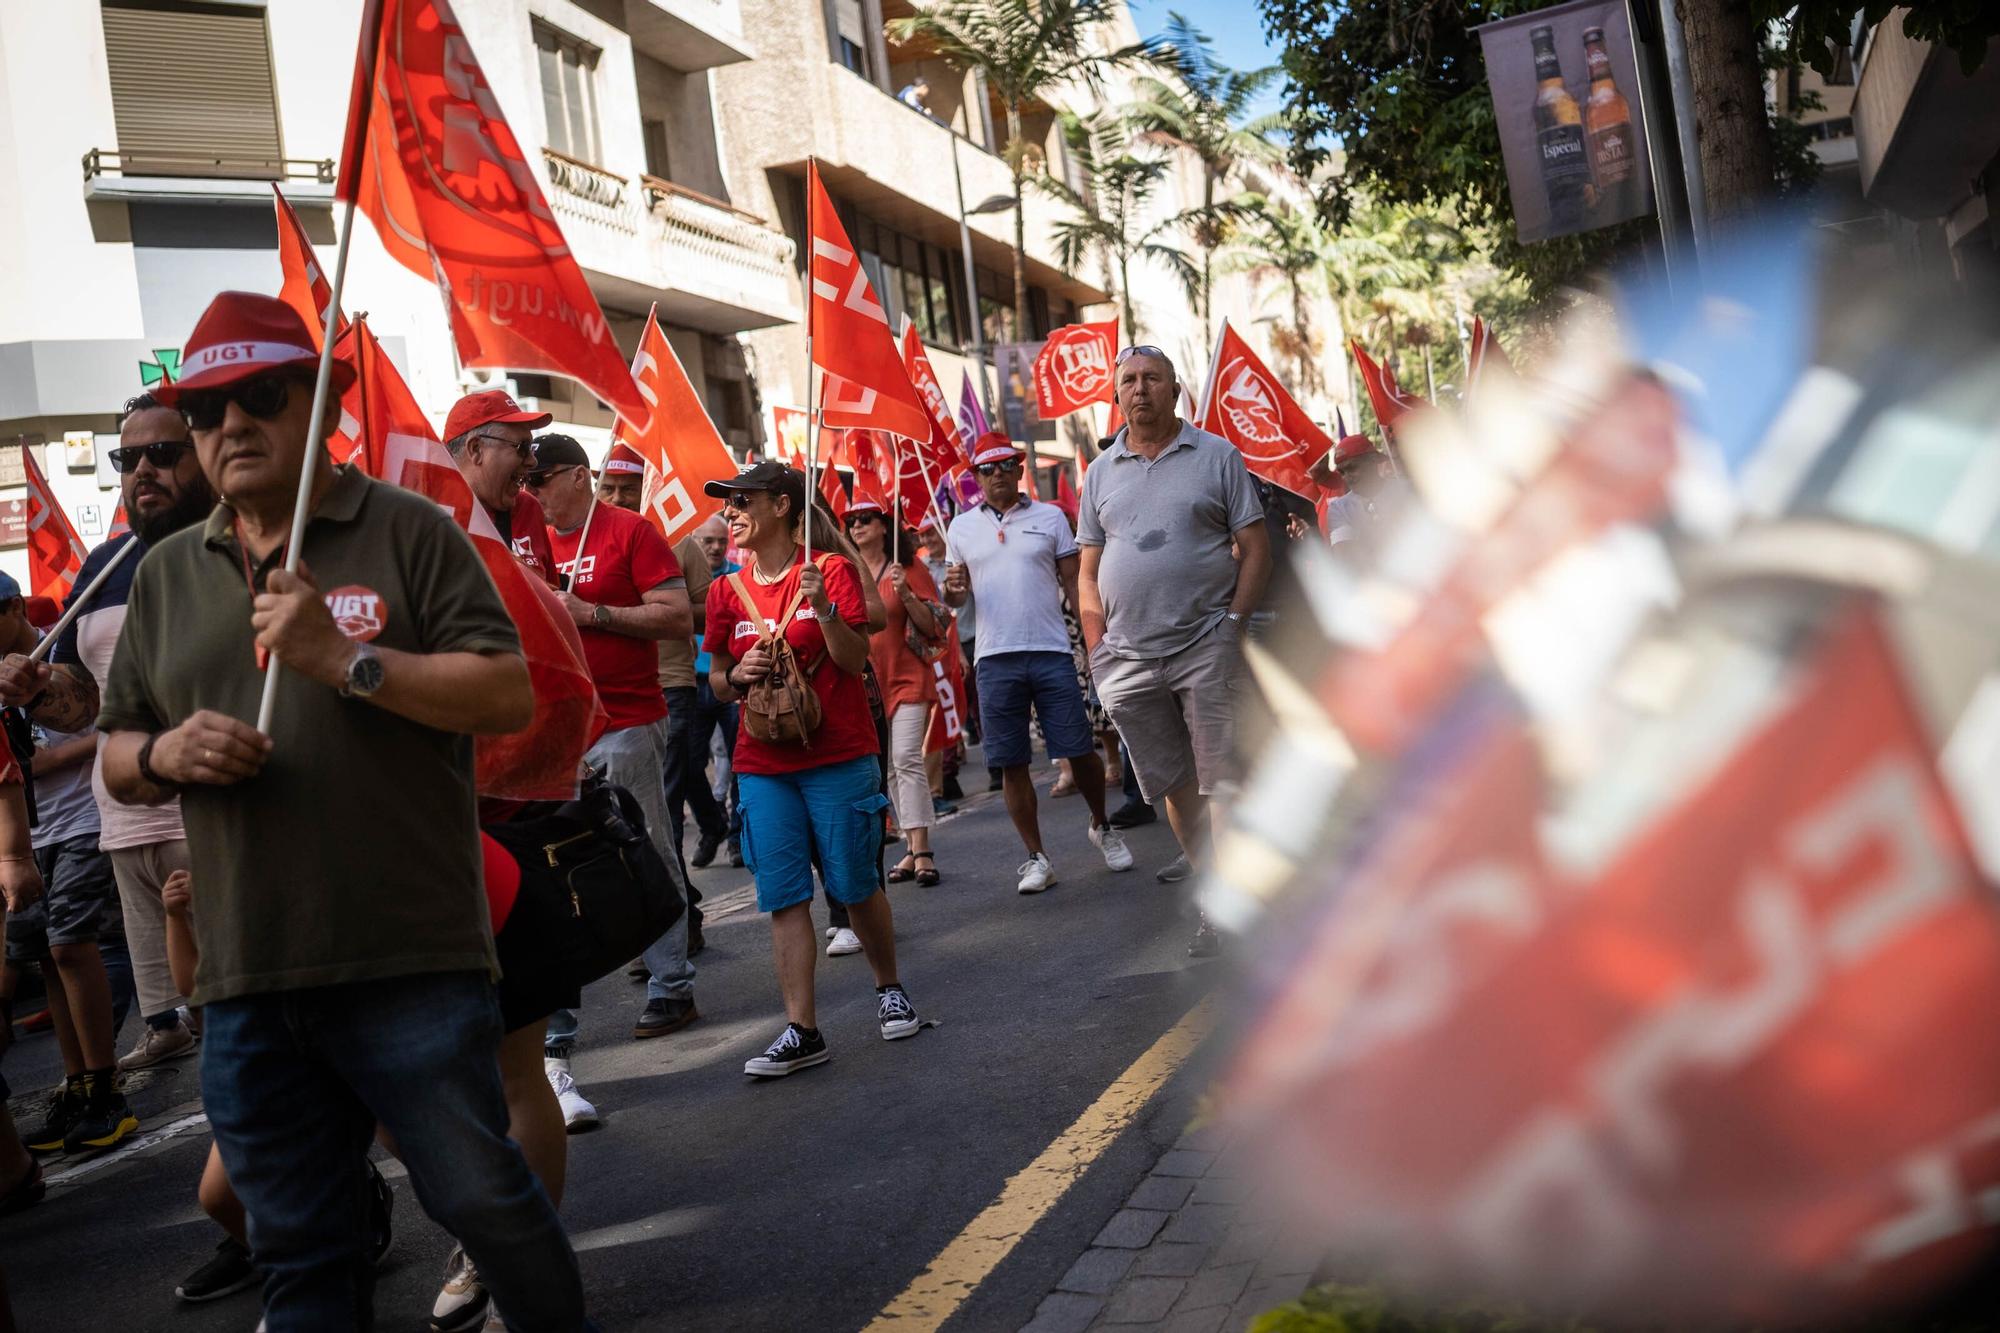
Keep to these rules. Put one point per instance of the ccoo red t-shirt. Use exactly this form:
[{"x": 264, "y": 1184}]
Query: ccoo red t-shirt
[
  {"x": 528, "y": 535},
  {"x": 846, "y": 730},
  {"x": 627, "y": 558}
]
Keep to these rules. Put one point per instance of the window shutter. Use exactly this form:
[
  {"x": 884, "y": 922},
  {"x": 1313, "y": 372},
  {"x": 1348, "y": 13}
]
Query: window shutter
[{"x": 191, "y": 90}]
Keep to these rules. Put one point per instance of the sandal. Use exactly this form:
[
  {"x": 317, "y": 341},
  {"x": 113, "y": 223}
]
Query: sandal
[
  {"x": 927, "y": 877},
  {"x": 904, "y": 870}
]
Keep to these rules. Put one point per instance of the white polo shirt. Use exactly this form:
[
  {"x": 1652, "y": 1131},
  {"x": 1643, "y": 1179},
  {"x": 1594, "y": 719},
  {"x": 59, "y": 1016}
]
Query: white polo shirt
[{"x": 1011, "y": 559}]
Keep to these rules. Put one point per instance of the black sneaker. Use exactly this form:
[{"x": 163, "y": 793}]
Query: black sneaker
[
  {"x": 704, "y": 852},
  {"x": 65, "y": 1109},
  {"x": 795, "y": 1049},
  {"x": 994, "y": 782},
  {"x": 1206, "y": 942},
  {"x": 665, "y": 1015},
  {"x": 697, "y": 941},
  {"x": 735, "y": 855},
  {"x": 107, "y": 1117},
  {"x": 1132, "y": 814},
  {"x": 895, "y": 1012},
  {"x": 952, "y": 791},
  {"x": 229, "y": 1272},
  {"x": 381, "y": 1202}
]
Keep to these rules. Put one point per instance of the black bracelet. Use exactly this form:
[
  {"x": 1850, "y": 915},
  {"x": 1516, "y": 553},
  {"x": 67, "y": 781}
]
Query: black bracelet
[{"x": 146, "y": 765}]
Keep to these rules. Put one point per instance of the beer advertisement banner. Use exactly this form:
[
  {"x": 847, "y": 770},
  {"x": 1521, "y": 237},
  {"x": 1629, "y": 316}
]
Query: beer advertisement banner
[
  {"x": 1565, "y": 84},
  {"x": 1020, "y": 413}
]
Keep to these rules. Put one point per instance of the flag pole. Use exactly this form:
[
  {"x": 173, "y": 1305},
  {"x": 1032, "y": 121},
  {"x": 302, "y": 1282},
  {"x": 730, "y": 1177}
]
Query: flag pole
[
  {"x": 315, "y": 445},
  {"x": 944, "y": 529},
  {"x": 896, "y": 495},
  {"x": 576, "y": 565},
  {"x": 812, "y": 419},
  {"x": 78, "y": 601}
]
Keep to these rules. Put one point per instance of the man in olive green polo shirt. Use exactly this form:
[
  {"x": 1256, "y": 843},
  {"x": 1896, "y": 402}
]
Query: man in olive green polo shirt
[{"x": 346, "y": 960}]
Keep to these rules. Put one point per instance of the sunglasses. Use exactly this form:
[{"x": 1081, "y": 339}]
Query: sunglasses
[
  {"x": 163, "y": 454},
  {"x": 1142, "y": 349},
  {"x": 525, "y": 448},
  {"x": 534, "y": 481},
  {"x": 739, "y": 501},
  {"x": 262, "y": 396},
  {"x": 995, "y": 469}
]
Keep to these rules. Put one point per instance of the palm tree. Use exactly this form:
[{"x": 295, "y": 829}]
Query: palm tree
[
  {"x": 1285, "y": 243},
  {"x": 1204, "y": 113},
  {"x": 1109, "y": 203},
  {"x": 1024, "y": 50}
]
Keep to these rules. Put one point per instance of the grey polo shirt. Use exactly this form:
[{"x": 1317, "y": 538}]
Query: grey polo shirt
[{"x": 1166, "y": 574}]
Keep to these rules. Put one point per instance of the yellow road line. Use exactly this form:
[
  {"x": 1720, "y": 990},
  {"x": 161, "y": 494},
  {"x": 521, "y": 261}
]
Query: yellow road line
[{"x": 976, "y": 1251}]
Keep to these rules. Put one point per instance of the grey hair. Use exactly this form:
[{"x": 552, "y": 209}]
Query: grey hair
[{"x": 456, "y": 444}]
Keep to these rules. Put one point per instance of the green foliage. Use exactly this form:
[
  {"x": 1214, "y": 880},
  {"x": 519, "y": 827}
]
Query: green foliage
[
  {"x": 1815, "y": 29},
  {"x": 1340, "y": 1309}
]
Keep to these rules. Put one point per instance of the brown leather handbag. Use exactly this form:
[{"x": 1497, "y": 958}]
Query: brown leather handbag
[{"x": 781, "y": 708}]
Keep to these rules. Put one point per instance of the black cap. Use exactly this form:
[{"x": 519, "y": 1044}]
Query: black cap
[
  {"x": 769, "y": 475},
  {"x": 554, "y": 451}
]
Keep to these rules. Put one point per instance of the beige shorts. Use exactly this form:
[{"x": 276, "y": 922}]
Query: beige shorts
[{"x": 1176, "y": 715}]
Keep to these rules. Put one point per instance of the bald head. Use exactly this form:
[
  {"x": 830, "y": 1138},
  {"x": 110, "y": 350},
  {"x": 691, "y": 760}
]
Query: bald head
[{"x": 713, "y": 538}]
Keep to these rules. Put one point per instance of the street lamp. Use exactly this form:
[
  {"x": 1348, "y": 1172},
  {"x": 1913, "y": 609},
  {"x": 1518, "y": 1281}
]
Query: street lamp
[{"x": 998, "y": 203}]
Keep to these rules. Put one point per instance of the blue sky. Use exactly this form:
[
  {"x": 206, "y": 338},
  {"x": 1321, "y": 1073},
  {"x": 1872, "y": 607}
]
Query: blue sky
[{"x": 1237, "y": 27}]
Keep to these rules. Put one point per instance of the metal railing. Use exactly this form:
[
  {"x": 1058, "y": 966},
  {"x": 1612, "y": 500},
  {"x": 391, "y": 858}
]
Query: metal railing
[
  {"x": 713, "y": 230},
  {"x": 112, "y": 162}
]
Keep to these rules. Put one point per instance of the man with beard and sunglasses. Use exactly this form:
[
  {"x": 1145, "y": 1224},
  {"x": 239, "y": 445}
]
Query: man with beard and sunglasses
[{"x": 163, "y": 490}]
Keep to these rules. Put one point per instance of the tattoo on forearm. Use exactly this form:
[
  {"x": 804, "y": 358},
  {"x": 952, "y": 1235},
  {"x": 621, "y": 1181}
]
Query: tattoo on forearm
[{"x": 68, "y": 704}]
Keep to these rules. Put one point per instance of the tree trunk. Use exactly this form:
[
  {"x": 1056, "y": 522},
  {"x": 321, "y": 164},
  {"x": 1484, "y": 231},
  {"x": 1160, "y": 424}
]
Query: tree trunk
[
  {"x": 1207, "y": 261},
  {"x": 1305, "y": 345},
  {"x": 1125, "y": 302},
  {"x": 1732, "y": 133},
  {"x": 1016, "y": 156}
]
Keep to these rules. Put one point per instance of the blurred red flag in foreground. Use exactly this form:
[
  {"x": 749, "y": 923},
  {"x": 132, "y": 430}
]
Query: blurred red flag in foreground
[
  {"x": 1746, "y": 1069},
  {"x": 397, "y": 446}
]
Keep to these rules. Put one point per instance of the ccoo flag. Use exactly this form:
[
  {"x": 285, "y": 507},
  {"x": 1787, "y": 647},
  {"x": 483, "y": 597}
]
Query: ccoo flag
[
  {"x": 682, "y": 450},
  {"x": 1245, "y": 404},
  {"x": 866, "y": 385},
  {"x": 430, "y": 159},
  {"x": 55, "y": 552}
]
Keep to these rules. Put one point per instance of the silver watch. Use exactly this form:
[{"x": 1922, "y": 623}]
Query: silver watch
[{"x": 364, "y": 673}]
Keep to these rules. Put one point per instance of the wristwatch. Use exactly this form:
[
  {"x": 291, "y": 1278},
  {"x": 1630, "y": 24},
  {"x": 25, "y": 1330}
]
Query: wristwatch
[
  {"x": 146, "y": 765},
  {"x": 827, "y": 616},
  {"x": 364, "y": 673},
  {"x": 601, "y": 616}
]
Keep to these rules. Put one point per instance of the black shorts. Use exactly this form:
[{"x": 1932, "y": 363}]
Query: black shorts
[{"x": 530, "y": 989}]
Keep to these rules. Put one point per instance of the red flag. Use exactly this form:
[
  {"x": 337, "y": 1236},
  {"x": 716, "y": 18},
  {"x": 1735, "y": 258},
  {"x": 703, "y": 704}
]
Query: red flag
[
  {"x": 881, "y": 455},
  {"x": 788, "y": 435},
  {"x": 1485, "y": 352},
  {"x": 307, "y": 291},
  {"x": 1067, "y": 499},
  {"x": 944, "y": 448},
  {"x": 430, "y": 159},
  {"x": 120, "y": 525},
  {"x": 948, "y": 717},
  {"x": 1384, "y": 395},
  {"x": 866, "y": 384},
  {"x": 682, "y": 450},
  {"x": 55, "y": 552},
  {"x": 398, "y": 446},
  {"x": 833, "y": 492},
  {"x": 1245, "y": 405},
  {"x": 1073, "y": 369}
]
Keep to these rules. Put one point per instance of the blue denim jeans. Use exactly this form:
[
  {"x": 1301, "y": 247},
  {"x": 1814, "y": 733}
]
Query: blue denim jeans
[{"x": 295, "y": 1083}]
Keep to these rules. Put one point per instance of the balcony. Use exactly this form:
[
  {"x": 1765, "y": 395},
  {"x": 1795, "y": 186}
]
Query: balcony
[
  {"x": 1924, "y": 128},
  {"x": 708, "y": 265},
  {"x": 687, "y": 35},
  {"x": 109, "y": 174}
]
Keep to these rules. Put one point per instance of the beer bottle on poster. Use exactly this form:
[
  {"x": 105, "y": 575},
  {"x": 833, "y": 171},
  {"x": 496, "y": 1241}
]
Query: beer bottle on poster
[
  {"x": 1607, "y": 125},
  {"x": 1559, "y": 136}
]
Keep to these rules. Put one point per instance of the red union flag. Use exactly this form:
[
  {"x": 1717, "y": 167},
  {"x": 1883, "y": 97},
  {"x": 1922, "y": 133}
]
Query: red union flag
[
  {"x": 397, "y": 446},
  {"x": 307, "y": 291},
  {"x": 1486, "y": 353},
  {"x": 682, "y": 450},
  {"x": 55, "y": 552},
  {"x": 948, "y": 717},
  {"x": 866, "y": 385},
  {"x": 1073, "y": 369},
  {"x": 1391, "y": 404},
  {"x": 430, "y": 159},
  {"x": 1245, "y": 405},
  {"x": 1744, "y": 1072},
  {"x": 943, "y": 450}
]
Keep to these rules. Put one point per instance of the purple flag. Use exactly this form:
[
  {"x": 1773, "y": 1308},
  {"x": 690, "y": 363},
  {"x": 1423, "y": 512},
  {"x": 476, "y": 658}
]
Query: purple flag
[{"x": 970, "y": 415}]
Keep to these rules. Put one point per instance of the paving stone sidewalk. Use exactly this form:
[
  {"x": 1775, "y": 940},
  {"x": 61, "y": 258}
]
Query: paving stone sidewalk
[{"x": 1188, "y": 1253}]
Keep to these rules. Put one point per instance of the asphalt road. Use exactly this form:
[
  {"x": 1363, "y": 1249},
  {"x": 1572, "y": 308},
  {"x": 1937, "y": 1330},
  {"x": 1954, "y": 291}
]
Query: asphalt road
[{"x": 709, "y": 1201}]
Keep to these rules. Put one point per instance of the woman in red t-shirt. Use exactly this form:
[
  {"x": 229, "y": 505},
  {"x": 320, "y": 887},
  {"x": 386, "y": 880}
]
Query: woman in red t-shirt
[
  {"x": 909, "y": 686},
  {"x": 823, "y": 795}
]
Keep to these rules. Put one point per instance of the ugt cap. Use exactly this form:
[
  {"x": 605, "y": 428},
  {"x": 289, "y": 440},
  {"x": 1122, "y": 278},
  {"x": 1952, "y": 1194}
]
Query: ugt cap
[{"x": 240, "y": 336}]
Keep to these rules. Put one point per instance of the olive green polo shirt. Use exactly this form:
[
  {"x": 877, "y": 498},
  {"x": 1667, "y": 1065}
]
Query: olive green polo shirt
[{"x": 354, "y": 854}]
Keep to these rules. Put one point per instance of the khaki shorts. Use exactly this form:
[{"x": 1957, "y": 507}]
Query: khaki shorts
[{"x": 1176, "y": 715}]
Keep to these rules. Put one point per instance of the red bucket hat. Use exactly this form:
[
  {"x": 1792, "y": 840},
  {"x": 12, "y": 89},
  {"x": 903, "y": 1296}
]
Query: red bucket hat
[
  {"x": 1352, "y": 446},
  {"x": 242, "y": 335},
  {"x": 993, "y": 447},
  {"x": 487, "y": 407}
]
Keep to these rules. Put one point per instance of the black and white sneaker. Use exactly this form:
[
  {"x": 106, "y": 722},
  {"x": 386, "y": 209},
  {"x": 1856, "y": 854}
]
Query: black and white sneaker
[
  {"x": 796, "y": 1048},
  {"x": 897, "y": 1015}
]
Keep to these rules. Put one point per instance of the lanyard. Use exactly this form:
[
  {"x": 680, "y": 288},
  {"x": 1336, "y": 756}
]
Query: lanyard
[{"x": 250, "y": 582}]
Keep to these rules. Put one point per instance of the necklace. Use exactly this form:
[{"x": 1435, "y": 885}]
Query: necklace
[{"x": 757, "y": 569}]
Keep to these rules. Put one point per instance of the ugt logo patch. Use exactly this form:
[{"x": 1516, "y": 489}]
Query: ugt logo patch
[{"x": 359, "y": 612}]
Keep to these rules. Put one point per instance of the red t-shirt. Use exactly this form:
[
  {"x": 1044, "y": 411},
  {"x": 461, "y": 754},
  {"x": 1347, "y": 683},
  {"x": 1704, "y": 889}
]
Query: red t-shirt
[
  {"x": 846, "y": 730},
  {"x": 528, "y": 534},
  {"x": 627, "y": 558}
]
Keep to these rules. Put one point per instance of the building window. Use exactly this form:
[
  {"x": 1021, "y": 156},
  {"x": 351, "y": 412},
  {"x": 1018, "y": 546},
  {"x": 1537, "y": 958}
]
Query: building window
[
  {"x": 850, "y": 37},
  {"x": 657, "y": 163},
  {"x": 191, "y": 89},
  {"x": 569, "y": 93}
]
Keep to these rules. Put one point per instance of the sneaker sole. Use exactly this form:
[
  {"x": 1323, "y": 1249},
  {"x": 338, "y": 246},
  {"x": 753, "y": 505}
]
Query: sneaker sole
[
  {"x": 842, "y": 953},
  {"x": 125, "y": 1127},
  {"x": 127, "y": 1065},
  {"x": 200, "y": 1298},
  {"x": 583, "y": 1124},
  {"x": 52, "y": 1146},
  {"x": 900, "y": 1030},
  {"x": 1020, "y": 888},
  {"x": 789, "y": 1067},
  {"x": 466, "y": 1319},
  {"x": 664, "y": 1028}
]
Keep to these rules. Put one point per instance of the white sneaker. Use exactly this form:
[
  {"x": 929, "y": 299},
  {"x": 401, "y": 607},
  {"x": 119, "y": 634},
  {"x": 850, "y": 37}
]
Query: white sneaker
[
  {"x": 577, "y": 1113},
  {"x": 1036, "y": 874},
  {"x": 462, "y": 1303},
  {"x": 1108, "y": 840},
  {"x": 843, "y": 941}
]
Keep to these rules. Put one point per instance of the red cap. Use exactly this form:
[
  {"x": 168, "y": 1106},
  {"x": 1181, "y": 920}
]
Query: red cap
[
  {"x": 993, "y": 447},
  {"x": 1352, "y": 446},
  {"x": 624, "y": 458},
  {"x": 487, "y": 407},
  {"x": 42, "y": 611},
  {"x": 242, "y": 335}
]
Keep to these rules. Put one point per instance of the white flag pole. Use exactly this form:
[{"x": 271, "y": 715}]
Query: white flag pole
[
  {"x": 79, "y": 600},
  {"x": 576, "y": 565},
  {"x": 944, "y": 529},
  {"x": 309, "y": 466}
]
